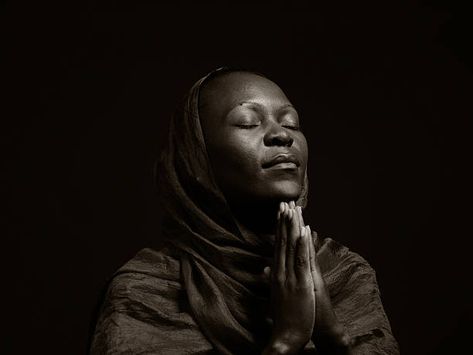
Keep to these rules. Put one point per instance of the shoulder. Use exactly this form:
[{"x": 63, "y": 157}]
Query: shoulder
[
  {"x": 146, "y": 310},
  {"x": 159, "y": 264},
  {"x": 333, "y": 255},
  {"x": 153, "y": 275},
  {"x": 343, "y": 268},
  {"x": 355, "y": 296}
]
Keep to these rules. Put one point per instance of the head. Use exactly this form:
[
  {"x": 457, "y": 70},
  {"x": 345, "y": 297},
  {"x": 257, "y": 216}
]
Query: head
[{"x": 257, "y": 151}]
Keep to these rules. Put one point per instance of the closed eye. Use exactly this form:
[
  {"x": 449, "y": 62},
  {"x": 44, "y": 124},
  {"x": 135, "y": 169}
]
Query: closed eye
[
  {"x": 246, "y": 126},
  {"x": 294, "y": 128}
]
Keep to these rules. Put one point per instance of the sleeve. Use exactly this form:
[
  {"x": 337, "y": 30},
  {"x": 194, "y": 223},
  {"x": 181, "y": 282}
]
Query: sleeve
[
  {"x": 357, "y": 304},
  {"x": 142, "y": 315}
]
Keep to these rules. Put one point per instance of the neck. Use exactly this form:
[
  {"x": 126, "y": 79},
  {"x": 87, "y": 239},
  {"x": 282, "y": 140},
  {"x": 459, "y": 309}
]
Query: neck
[{"x": 258, "y": 218}]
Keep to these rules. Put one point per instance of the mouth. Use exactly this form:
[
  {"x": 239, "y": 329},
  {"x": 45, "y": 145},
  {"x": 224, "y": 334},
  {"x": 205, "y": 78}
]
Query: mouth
[{"x": 282, "y": 161}]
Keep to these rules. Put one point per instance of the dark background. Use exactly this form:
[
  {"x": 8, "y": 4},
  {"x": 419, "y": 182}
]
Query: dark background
[{"x": 384, "y": 92}]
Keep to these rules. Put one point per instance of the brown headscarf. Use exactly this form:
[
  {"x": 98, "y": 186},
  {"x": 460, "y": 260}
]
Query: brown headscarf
[{"x": 221, "y": 264}]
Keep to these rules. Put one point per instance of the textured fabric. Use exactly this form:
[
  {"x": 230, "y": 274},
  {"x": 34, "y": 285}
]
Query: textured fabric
[
  {"x": 205, "y": 290},
  {"x": 146, "y": 310}
]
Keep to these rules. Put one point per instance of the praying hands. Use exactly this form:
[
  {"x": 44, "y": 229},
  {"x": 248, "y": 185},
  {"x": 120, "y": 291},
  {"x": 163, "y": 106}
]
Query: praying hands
[{"x": 300, "y": 303}]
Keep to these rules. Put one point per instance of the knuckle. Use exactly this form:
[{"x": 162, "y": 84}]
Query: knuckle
[
  {"x": 292, "y": 283},
  {"x": 304, "y": 287},
  {"x": 300, "y": 261},
  {"x": 283, "y": 241},
  {"x": 291, "y": 247}
]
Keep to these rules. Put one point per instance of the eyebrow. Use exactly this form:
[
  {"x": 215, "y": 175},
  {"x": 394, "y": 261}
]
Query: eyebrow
[{"x": 259, "y": 105}]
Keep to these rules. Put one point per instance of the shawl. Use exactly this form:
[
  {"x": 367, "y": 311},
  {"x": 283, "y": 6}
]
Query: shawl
[{"x": 202, "y": 292}]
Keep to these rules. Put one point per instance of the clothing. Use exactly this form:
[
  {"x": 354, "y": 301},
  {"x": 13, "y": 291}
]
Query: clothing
[
  {"x": 205, "y": 290},
  {"x": 146, "y": 309}
]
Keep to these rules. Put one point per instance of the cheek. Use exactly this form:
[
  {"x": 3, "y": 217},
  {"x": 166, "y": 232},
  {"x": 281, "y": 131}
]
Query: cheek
[
  {"x": 234, "y": 158},
  {"x": 303, "y": 144},
  {"x": 303, "y": 148}
]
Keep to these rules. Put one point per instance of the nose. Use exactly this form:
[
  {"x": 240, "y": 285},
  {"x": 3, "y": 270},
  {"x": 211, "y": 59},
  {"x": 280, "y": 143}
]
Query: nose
[{"x": 277, "y": 135}]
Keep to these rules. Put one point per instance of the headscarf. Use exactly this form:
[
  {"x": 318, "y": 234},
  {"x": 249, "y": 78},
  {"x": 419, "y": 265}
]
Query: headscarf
[{"x": 221, "y": 264}]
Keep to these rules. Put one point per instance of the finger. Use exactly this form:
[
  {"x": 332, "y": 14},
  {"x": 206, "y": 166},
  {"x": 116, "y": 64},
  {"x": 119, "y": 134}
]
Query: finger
[
  {"x": 267, "y": 272},
  {"x": 311, "y": 250},
  {"x": 302, "y": 266},
  {"x": 299, "y": 216},
  {"x": 279, "y": 265},
  {"x": 297, "y": 220},
  {"x": 277, "y": 234},
  {"x": 315, "y": 238},
  {"x": 296, "y": 215},
  {"x": 312, "y": 256},
  {"x": 293, "y": 235},
  {"x": 314, "y": 268}
]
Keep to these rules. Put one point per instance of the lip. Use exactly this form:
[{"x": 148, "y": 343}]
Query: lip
[{"x": 283, "y": 161}]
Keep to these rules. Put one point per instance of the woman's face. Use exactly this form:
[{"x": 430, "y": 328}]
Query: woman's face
[{"x": 256, "y": 149}]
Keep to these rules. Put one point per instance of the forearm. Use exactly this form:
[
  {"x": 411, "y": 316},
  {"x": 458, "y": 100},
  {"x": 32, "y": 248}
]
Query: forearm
[
  {"x": 330, "y": 336},
  {"x": 336, "y": 343}
]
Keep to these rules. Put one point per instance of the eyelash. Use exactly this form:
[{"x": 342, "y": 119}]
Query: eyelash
[
  {"x": 247, "y": 126},
  {"x": 294, "y": 128}
]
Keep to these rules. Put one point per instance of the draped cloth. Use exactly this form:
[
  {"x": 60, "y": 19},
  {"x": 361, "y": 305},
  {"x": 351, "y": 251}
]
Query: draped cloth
[{"x": 203, "y": 291}]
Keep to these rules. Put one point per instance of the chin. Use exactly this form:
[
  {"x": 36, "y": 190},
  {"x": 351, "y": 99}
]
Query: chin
[
  {"x": 272, "y": 193},
  {"x": 284, "y": 191}
]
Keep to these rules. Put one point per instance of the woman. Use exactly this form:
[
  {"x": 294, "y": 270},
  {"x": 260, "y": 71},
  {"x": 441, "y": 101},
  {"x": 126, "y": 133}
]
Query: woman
[{"x": 240, "y": 272}]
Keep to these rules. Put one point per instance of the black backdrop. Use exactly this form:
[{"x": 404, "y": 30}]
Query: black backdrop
[{"x": 384, "y": 92}]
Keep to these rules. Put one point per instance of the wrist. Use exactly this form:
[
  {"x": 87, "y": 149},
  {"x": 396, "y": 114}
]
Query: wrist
[
  {"x": 279, "y": 346},
  {"x": 334, "y": 342}
]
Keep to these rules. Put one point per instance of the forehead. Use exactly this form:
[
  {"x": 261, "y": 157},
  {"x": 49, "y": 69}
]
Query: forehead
[{"x": 222, "y": 94}]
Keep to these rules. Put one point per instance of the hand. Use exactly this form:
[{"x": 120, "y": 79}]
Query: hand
[
  {"x": 328, "y": 334},
  {"x": 292, "y": 290}
]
